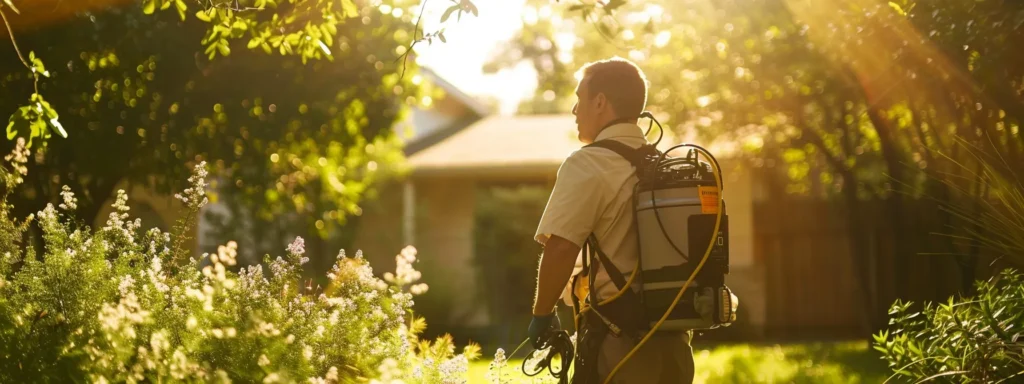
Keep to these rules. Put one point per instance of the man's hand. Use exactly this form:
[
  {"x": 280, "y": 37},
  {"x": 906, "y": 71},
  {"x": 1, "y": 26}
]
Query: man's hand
[{"x": 540, "y": 326}]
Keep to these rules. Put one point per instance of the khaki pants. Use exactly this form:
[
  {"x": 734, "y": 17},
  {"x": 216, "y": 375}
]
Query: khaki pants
[{"x": 665, "y": 358}]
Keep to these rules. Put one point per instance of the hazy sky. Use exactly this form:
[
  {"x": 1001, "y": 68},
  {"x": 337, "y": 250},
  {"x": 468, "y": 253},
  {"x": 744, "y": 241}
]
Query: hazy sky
[{"x": 469, "y": 42}]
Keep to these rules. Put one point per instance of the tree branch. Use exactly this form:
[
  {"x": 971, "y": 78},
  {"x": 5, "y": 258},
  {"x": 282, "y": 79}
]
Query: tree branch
[
  {"x": 405, "y": 55},
  {"x": 17, "y": 50},
  {"x": 13, "y": 42}
]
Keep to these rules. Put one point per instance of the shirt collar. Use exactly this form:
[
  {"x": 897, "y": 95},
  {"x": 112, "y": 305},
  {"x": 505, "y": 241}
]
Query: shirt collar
[{"x": 619, "y": 130}]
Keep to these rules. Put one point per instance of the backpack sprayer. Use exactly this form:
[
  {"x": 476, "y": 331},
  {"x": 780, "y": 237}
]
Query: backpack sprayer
[{"x": 679, "y": 211}]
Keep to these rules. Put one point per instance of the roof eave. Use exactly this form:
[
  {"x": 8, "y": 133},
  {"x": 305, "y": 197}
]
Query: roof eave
[{"x": 488, "y": 171}]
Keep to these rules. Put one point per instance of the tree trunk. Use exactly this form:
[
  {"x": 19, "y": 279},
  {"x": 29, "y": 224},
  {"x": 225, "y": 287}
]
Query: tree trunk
[
  {"x": 968, "y": 263},
  {"x": 860, "y": 254},
  {"x": 894, "y": 205}
]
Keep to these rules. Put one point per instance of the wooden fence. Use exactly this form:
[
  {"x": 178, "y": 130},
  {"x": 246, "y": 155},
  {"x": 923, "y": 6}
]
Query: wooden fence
[{"x": 812, "y": 289}]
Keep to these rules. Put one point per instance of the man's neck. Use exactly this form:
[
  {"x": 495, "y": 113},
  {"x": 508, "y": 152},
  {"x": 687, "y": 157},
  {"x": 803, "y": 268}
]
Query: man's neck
[{"x": 619, "y": 120}]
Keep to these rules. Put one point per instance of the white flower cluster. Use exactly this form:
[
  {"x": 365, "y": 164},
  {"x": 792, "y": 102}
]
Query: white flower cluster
[
  {"x": 331, "y": 377},
  {"x": 123, "y": 318},
  {"x": 70, "y": 201},
  {"x": 204, "y": 295},
  {"x": 405, "y": 273},
  {"x": 196, "y": 192},
  {"x": 157, "y": 239},
  {"x": 18, "y": 158},
  {"x": 118, "y": 222},
  {"x": 126, "y": 285},
  {"x": 216, "y": 272},
  {"x": 499, "y": 372},
  {"x": 48, "y": 217},
  {"x": 251, "y": 282},
  {"x": 267, "y": 329},
  {"x": 390, "y": 373},
  {"x": 454, "y": 370},
  {"x": 156, "y": 275},
  {"x": 298, "y": 248},
  {"x": 279, "y": 267},
  {"x": 226, "y": 254}
]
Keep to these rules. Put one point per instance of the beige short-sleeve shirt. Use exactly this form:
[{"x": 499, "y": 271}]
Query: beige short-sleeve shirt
[{"x": 593, "y": 193}]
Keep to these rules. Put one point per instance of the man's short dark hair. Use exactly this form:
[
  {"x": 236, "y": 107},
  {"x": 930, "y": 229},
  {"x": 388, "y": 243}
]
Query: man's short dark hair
[{"x": 622, "y": 82}]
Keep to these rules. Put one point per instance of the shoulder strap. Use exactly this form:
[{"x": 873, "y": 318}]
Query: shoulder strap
[
  {"x": 591, "y": 247},
  {"x": 636, "y": 157},
  {"x": 613, "y": 272},
  {"x": 632, "y": 155}
]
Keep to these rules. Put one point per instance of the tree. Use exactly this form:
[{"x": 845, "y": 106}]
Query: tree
[{"x": 293, "y": 105}]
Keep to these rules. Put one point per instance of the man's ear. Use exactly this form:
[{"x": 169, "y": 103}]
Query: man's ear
[{"x": 602, "y": 101}]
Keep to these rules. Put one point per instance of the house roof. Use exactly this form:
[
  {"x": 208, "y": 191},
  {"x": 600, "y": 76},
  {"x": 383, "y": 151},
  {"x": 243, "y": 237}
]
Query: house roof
[
  {"x": 453, "y": 113},
  {"x": 529, "y": 144},
  {"x": 520, "y": 145},
  {"x": 453, "y": 91}
]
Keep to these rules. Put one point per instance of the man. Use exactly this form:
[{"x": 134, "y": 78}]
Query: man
[{"x": 593, "y": 196}]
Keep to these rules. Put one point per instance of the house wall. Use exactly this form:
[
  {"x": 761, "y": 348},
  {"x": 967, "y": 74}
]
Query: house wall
[
  {"x": 443, "y": 237},
  {"x": 379, "y": 232}
]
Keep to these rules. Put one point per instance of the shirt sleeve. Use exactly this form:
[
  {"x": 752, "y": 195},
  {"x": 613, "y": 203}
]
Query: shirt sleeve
[{"x": 575, "y": 203}]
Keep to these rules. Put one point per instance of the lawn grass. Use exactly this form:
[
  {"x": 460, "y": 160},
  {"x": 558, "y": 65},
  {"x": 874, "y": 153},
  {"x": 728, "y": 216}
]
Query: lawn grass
[{"x": 841, "y": 362}]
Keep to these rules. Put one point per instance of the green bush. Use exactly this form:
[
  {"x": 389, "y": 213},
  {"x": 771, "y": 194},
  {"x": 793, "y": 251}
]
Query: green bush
[
  {"x": 974, "y": 339},
  {"x": 119, "y": 304},
  {"x": 506, "y": 253}
]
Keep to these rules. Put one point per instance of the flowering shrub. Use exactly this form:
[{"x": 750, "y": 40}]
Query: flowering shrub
[{"x": 120, "y": 304}]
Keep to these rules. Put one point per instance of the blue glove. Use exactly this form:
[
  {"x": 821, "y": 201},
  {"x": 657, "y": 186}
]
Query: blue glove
[{"x": 540, "y": 327}]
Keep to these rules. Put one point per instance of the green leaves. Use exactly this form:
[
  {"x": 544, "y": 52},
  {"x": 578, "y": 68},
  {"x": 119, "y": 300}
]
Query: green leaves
[
  {"x": 897, "y": 8},
  {"x": 448, "y": 12},
  {"x": 967, "y": 338},
  {"x": 37, "y": 65},
  {"x": 38, "y": 118},
  {"x": 460, "y": 7},
  {"x": 269, "y": 29},
  {"x": 205, "y": 14},
  {"x": 349, "y": 9},
  {"x": 35, "y": 120},
  {"x": 180, "y": 6}
]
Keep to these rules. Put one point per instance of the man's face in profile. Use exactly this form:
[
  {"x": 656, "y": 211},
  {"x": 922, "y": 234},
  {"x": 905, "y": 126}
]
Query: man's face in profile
[{"x": 586, "y": 111}]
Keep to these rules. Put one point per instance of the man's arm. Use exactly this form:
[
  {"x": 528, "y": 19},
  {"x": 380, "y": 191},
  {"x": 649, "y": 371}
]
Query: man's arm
[{"x": 556, "y": 265}]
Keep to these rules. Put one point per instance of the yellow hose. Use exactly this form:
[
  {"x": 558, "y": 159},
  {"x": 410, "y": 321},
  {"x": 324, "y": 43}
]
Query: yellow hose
[{"x": 718, "y": 221}]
